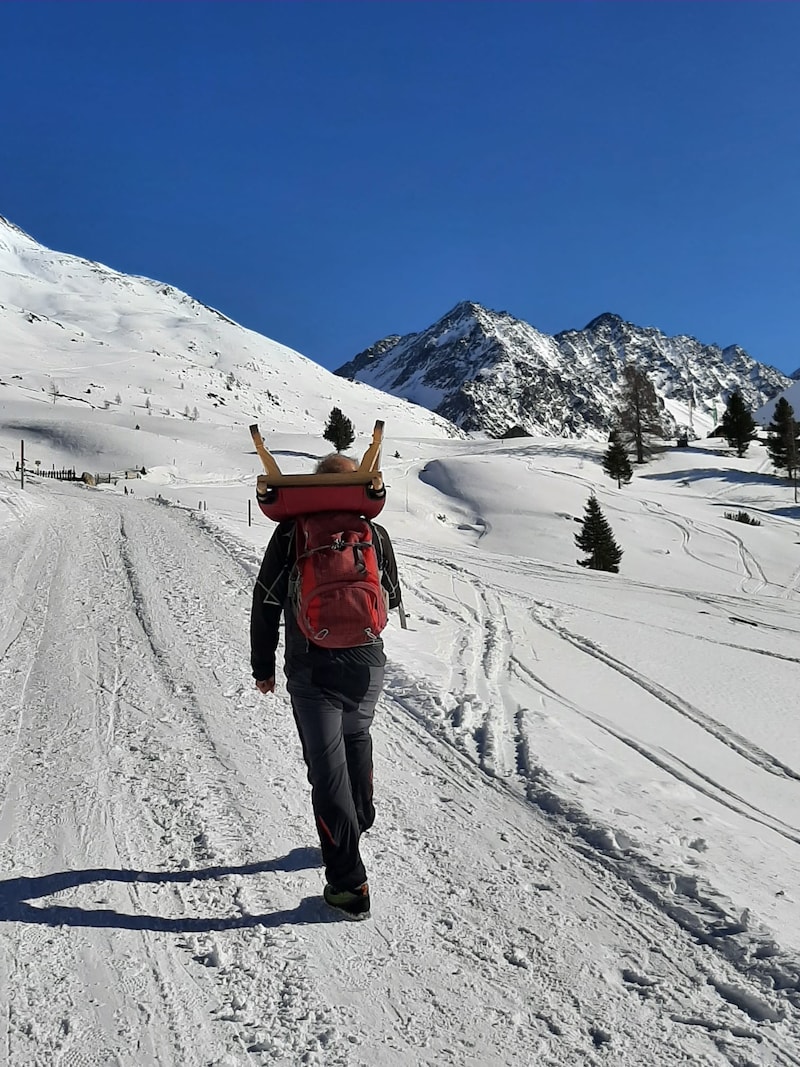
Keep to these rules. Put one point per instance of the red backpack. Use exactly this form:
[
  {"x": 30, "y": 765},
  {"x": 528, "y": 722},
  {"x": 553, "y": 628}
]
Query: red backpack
[{"x": 336, "y": 582}]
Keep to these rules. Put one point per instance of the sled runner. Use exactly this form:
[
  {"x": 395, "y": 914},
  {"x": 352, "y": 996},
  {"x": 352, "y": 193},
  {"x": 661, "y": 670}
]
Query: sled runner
[{"x": 285, "y": 496}]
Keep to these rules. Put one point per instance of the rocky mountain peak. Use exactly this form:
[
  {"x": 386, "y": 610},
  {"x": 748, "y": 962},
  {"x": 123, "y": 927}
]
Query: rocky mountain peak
[
  {"x": 487, "y": 371},
  {"x": 607, "y": 322}
]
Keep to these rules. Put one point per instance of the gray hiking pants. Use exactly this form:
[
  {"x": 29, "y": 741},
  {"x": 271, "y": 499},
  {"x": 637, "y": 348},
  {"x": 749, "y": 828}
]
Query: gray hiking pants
[{"x": 333, "y": 706}]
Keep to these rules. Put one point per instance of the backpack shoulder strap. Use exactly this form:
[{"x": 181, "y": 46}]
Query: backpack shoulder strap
[{"x": 377, "y": 542}]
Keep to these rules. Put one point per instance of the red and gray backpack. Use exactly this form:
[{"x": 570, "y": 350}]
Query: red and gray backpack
[{"x": 336, "y": 580}]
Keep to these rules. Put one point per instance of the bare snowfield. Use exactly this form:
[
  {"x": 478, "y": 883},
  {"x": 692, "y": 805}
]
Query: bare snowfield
[{"x": 587, "y": 847}]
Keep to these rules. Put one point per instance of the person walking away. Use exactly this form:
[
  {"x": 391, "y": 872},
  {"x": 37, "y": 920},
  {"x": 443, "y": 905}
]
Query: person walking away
[{"x": 333, "y": 693}]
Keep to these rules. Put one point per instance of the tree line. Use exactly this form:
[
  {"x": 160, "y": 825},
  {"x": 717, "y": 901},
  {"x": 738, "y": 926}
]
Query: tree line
[{"x": 638, "y": 428}]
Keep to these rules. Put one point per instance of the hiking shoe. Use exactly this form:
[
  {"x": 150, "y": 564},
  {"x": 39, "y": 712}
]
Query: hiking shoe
[{"x": 354, "y": 903}]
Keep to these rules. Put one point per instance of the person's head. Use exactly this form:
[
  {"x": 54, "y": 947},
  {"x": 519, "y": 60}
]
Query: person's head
[{"x": 336, "y": 463}]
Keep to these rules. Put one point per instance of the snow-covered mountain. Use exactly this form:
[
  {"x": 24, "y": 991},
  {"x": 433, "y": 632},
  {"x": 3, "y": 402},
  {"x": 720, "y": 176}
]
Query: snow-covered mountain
[
  {"x": 764, "y": 414},
  {"x": 80, "y": 341},
  {"x": 587, "y": 844},
  {"x": 488, "y": 371}
]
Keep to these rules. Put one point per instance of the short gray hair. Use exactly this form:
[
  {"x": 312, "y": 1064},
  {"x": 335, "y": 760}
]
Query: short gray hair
[{"x": 336, "y": 463}]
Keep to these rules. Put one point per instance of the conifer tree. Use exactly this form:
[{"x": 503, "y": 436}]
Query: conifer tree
[
  {"x": 782, "y": 443},
  {"x": 339, "y": 430},
  {"x": 639, "y": 415},
  {"x": 596, "y": 538},
  {"x": 738, "y": 425},
  {"x": 615, "y": 461}
]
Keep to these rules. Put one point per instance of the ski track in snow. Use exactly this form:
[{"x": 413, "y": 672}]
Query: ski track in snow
[
  {"x": 487, "y": 626},
  {"x": 191, "y": 930},
  {"x": 701, "y": 910},
  {"x": 754, "y": 579}
]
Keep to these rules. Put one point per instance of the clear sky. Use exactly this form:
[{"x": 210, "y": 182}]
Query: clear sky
[{"x": 331, "y": 172}]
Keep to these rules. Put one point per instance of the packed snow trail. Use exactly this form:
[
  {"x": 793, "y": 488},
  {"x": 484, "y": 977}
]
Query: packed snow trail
[{"x": 159, "y": 881}]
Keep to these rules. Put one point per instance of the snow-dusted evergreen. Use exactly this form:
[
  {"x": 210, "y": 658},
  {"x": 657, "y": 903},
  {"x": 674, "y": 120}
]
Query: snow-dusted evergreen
[{"x": 488, "y": 371}]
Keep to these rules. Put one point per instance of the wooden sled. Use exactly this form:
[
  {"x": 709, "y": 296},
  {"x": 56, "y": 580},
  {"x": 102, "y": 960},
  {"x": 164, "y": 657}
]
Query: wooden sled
[{"x": 285, "y": 496}]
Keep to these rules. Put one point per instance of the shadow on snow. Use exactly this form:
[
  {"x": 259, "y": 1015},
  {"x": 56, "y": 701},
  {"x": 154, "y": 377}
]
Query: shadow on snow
[
  {"x": 16, "y": 894},
  {"x": 699, "y": 474}
]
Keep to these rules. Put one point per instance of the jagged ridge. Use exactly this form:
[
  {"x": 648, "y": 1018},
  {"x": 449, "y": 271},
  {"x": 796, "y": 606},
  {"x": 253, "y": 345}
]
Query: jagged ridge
[{"x": 487, "y": 371}]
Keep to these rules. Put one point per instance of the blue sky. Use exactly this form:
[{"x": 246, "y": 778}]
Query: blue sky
[{"x": 331, "y": 172}]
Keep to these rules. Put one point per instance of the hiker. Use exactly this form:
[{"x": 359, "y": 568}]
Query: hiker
[{"x": 333, "y": 692}]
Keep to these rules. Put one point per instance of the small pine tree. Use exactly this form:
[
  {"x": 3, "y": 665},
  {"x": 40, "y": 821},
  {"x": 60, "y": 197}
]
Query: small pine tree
[
  {"x": 738, "y": 425},
  {"x": 339, "y": 430},
  {"x": 597, "y": 539},
  {"x": 616, "y": 463}
]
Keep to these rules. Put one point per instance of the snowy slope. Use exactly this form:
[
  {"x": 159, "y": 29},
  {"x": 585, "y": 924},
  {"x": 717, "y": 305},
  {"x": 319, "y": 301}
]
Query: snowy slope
[
  {"x": 132, "y": 352},
  {"x": 587, "y": 848}
]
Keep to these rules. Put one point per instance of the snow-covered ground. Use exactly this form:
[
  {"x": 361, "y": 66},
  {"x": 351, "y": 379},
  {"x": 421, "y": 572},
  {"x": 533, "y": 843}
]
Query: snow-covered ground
[{"x": 587, "y": 847}]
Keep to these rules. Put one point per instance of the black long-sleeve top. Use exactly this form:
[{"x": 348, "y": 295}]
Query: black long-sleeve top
[{"x": 270, "y": 597}]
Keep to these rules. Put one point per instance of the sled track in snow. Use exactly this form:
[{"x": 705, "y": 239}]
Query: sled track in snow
[
  {"x": 744, "y": 748},
  {"x": 22, "y": 640},
  {"x": 740, "y": 745},
  {"x": 750, "y": 567},
  {"x": 700, "y": 911},
  {"x": 161, "y": 789},
  {"x": 769, "y": 976},
  {"x": 214, "y": 815}
]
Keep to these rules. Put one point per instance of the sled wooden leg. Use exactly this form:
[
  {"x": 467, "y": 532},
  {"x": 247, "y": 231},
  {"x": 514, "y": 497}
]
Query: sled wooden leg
[
  {"x": 372, "y": 457},
  {"x": 270, "y": 466}
]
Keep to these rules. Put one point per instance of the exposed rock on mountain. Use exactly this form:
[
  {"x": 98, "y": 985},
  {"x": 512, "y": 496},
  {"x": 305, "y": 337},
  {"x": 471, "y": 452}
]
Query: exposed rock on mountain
[{"x": 487, "y": 371}]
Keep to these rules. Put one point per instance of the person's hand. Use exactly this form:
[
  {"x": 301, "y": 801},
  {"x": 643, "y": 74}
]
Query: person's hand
[{"x": 266, "y": 685}]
